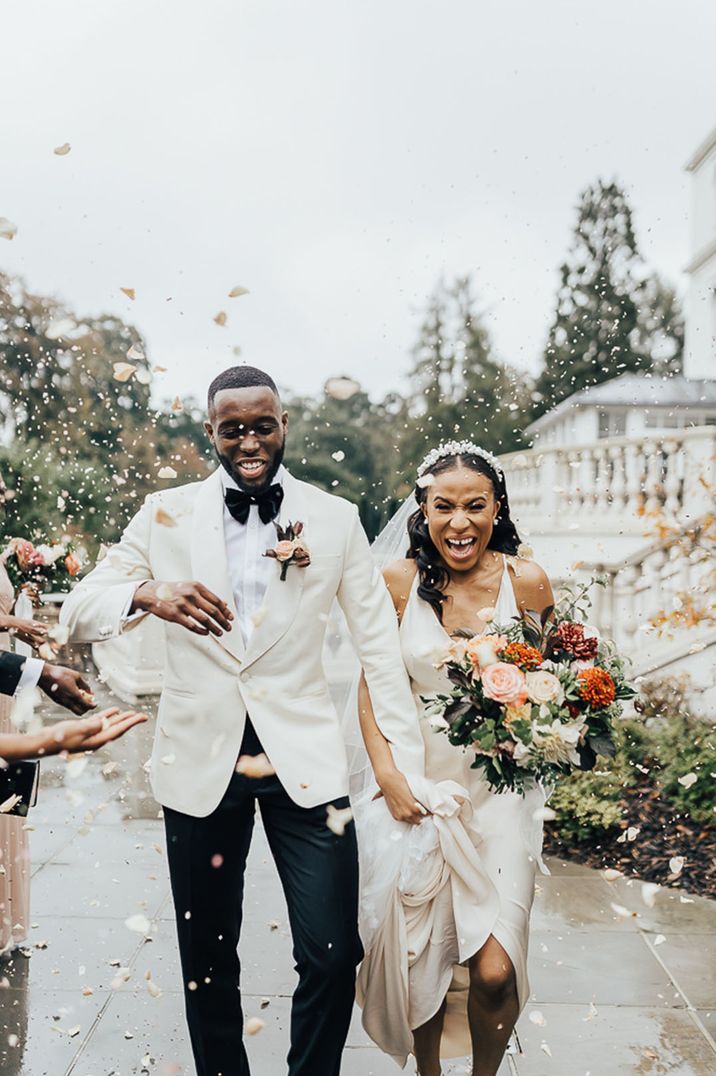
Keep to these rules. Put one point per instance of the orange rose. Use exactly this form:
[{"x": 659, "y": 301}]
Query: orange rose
[{"x": 504, "y": 683}]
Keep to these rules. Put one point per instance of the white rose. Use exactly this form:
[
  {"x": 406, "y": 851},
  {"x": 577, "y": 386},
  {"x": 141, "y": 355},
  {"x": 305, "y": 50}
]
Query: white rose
[{"x": 544, "y": 687}]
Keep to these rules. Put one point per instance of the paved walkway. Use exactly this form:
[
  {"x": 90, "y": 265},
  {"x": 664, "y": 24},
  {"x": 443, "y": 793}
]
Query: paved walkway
[{"x": 612, "y": 993}]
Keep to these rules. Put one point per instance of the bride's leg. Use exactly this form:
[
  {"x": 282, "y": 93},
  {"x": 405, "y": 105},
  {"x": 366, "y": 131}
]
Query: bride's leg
[
  {"x": 426, "y": 1042},
  {"x": 492, "y": 1006}
]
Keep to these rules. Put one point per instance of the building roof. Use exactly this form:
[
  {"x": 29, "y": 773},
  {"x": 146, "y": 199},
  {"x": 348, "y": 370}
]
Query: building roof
[
  {"x": 635, "y": 390},
  {"x": 702, "y": 152}
]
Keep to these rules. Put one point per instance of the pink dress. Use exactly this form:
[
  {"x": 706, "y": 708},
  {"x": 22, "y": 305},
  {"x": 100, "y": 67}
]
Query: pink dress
[{"x": 14, "y": 850}]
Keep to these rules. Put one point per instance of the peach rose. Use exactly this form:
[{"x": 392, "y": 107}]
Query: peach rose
[
  {"x": 482, "y": 650},
  {"x": 24, "y": 551},
  {"x": 73, "y": 563},
  {"x": 284, "y": 550},
  {"x": 544, "y": 687},
  {"x": 504, "y": 683}
]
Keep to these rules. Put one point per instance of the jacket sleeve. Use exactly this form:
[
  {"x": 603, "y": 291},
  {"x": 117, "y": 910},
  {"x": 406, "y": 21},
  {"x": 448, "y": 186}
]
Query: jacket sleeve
[
  {"x": 95, "y": 609},
  {"x": 366, "y": 604},
  {"x": 11, "y": 666}
]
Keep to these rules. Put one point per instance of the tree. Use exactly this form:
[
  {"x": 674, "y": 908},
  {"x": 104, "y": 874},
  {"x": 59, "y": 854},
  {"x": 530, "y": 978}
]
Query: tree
[
  {"x": 343, "y": 445},
  {"x": 595, "y": 335},
  {"x": 84, "y": 446},
  {"x": 458, "y": 388},
  {"x": 661, "y": 327}
]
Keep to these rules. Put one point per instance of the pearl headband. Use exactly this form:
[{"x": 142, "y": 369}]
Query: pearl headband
[{"x": 458, "y": 448}]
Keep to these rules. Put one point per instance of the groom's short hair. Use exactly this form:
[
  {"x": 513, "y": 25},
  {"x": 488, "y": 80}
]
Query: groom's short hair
[{"x": 240, "y": 377}]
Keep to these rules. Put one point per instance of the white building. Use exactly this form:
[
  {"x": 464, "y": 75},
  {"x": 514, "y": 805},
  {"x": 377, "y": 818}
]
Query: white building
[{"x": 701, "y": 298}]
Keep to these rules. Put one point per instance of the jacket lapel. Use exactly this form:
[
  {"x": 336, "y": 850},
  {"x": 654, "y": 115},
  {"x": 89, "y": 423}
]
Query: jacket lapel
[
  {"x": 208, "y": 555},
  {"x": 282, "y": 596}
]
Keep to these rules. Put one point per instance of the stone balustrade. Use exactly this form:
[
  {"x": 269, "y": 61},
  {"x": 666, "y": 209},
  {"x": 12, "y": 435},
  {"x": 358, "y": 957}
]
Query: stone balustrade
[{"x": 610, "y": 485}]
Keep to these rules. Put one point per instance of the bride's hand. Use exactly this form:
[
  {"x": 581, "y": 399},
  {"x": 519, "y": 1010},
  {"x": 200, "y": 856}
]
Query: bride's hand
[{"x": 401, "y": 802}]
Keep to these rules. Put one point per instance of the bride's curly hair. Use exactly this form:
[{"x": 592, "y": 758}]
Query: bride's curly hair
[{"x": 432, "y": 572}]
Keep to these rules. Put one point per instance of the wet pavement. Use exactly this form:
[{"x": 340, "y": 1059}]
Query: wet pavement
[{"x": 612, "y": 992}]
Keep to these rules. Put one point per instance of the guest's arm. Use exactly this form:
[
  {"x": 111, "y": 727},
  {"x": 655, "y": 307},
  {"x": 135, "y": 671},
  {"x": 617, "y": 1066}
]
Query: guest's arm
[{"x": 85, "y": 734}]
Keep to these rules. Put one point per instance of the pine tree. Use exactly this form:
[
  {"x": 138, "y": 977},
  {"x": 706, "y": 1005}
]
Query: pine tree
[
  {"x": 458, "y": 388},
  {"x": 595, "y": 334},
  {"x": 661, "y": 327}
]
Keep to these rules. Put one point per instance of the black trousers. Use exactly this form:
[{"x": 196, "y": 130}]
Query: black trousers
[{"x": 319, "y": 874}]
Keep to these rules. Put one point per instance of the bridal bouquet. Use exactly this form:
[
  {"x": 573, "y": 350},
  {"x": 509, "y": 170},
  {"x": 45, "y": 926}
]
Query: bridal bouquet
[
  {"x": 533, "y": 699},
  {"x": 43, "y": 567}
]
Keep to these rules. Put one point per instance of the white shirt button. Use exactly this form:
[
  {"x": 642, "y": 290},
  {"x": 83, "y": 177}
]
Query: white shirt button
[{"x": 245, "y": 676}]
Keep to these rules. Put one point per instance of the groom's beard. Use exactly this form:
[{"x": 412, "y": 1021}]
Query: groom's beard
[{"x": 278, "y": 460}]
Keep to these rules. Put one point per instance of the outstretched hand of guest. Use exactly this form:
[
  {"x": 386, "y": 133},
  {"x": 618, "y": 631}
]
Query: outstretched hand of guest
[{"x": 90, "y": 733}]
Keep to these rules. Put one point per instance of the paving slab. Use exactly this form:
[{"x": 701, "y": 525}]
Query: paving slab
[{"x": 614, "y": 990}]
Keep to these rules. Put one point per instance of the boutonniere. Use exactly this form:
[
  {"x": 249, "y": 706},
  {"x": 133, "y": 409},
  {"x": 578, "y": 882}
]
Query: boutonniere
[{"x": 290, "y": 547}]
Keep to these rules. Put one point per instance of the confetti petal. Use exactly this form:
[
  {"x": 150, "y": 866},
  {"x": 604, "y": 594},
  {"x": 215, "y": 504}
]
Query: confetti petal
[
  {"x": 237, "y": 291},
  {"x": 166, "y": 472},
  {"x": 63, "y": 150},
  {"x": 337, "y": 818},
  {"x": 135, "y": 353},
  {"x": 164, "y": 519},
  {"x": 253, "y": 1025},
  {"x": 129, "y": 292},
  {"x": 138, "y": 923},
  {"x": 8, "y": 230},
  {"x": 123, "y": 371},
  {"x": 648, "y": 893},
  {"x": 688, "y": 779},
  {"x": 255, "y": 766},
  {"x": 220, "y": 318},
  {"x": 676, "y": 864}
]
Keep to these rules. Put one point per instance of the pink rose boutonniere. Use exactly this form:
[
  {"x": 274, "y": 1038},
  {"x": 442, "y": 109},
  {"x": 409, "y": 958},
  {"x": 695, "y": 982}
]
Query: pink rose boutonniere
[{"x": 290, "y": 547}]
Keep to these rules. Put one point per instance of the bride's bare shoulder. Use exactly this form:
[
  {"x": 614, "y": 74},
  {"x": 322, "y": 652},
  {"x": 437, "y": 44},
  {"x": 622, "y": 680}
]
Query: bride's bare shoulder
[
  {"x": 533, "y": 589},
  {"x": 399, "y": 577}
]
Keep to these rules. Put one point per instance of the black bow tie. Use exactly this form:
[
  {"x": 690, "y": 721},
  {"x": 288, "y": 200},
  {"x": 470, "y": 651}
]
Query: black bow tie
[{"x": 269, "y": 502}]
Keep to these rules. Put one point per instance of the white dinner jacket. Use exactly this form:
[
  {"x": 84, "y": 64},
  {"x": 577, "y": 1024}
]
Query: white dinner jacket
[{"x": 210, "y": 683}]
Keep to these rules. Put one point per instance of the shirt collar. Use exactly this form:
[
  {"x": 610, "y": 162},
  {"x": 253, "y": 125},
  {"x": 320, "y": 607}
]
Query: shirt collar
[{"x": 228, "y": 482}]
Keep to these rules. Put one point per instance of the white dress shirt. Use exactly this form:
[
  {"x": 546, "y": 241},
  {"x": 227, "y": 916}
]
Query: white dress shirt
[
  {"x": 31, "y": 673},
  {"x": 249, "y": 569}
]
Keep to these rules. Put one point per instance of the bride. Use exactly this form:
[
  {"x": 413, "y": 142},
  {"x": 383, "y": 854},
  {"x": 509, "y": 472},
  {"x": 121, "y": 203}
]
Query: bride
[{"x": 459, "y": 921}]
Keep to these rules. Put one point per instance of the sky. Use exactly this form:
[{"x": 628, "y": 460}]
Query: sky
[{"x": 337, "y": 158}]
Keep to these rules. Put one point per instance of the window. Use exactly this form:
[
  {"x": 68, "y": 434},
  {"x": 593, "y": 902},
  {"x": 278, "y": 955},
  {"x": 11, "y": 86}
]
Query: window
[{"x": 612, "y": 423}]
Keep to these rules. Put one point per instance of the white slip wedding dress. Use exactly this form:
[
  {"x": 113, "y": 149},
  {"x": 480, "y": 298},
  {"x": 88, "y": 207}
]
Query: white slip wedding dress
[{"x": 431, "y": 895}]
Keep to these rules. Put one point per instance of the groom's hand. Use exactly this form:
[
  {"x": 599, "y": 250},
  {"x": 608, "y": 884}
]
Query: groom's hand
[{"x": 192, "y": 605}]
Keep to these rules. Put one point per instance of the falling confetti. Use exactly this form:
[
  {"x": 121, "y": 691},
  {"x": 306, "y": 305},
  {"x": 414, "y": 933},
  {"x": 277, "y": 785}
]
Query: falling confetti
[
  {"x": 166, "y": 472},
  {"x": 676, "y": 864},
  {"x": 164, "y": 519},
  {"x": 341, "y": 388},
  {"x": 255, "y": 766},
  {"x": 648, "y": 893},
  {"x": 688, "y": 779},
  {"x": 254, "y": 1025},
  {"x": 129, "y": 292},
  {"x": 220, "y": 318},
  {"x": 237, "y": 291},
  {"x": 138, "y": 923},
  {"x": 337, "y": 818},
  {"x": 123, "y": 371},
  {"x": 8, "y": 230},
  {"x": 135, "y": 353},
  {"x": 63, "y": 150}
]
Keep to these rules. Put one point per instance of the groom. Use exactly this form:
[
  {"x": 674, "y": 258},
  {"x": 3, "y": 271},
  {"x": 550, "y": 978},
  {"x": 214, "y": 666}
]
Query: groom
[{"x": 244, "y": 677}]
